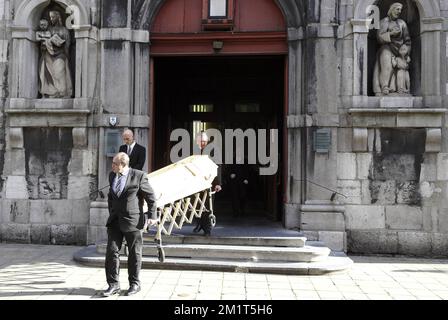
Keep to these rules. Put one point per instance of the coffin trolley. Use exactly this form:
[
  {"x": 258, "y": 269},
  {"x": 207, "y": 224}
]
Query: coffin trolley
[{"x": 182, "y": 191}]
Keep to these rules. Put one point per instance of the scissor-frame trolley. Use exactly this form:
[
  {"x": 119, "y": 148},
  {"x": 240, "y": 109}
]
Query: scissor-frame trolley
[{"x": 183, "y": 192}]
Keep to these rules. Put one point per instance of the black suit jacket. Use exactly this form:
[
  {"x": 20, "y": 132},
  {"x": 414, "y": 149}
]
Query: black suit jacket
[
  {"x": 137, "y": 157},
  {"x": 126, "y": 210}
]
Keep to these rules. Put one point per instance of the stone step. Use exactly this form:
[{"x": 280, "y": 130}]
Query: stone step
[
  {"x": 244, "y": 241},
  {"x": 336, "y": 262},
  {"x": 238, "y": 252}
]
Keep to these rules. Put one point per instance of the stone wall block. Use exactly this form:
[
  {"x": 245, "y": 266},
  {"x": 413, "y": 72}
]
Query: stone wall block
[
  {"x": 16, "y": 138},
  {"x": 51, "y": 211},
  {"x": 439, "y": 244},
  {"x": 345, "y": 136},
  {"x": 442, "y": 166},
  {"x": 420, "y": 121},
  {"x": 428, "y": 171},
  {"x": 79, "y": 138},
  {"x": 363, "y": 241},
  {"x": 40, "y": 234},
  {"x": 383, "y": 192},
  {"x": 16, "y": 187},
  {"x": 335, "y": 240},
  {"x": 50, "y": 187},
  {"x": 78, "y": 187},
  {"x": 15, "y": 211},
  {"x": 15, "y": 232},
  {"x": 365, "y": 217},
  {"x": 75, "y": 165},
  {"x": 414, "y": 243},
  {"x": 388, "y": 242},
  {"x": 408, "y": 193},
  {"x": 365, "y": 192},
  {"x": 80, "y": 212},
  {"x": 99, "y": 216},
  {"x": 364, "y": 161},
  {"x": 372, "y": 241},
  {"x": 404, "y": 218},
  {"x": 82, "y": 163},
  {"x": 433, "y": 140},
  {"x": 442, "y": 222},
  {"x": 319, "y": 221},
  {"x": 430, "y": 219},
  {"x": 15, "y": 162},
  {"x": 360, "y": 139},
  {"x": 68, "y": 234},
  {"x": 351, "y": 189},
  {"x": 346, "y": 168},
  {"x": 35, "y": 165},
  {"x": 433, "y": 193}
]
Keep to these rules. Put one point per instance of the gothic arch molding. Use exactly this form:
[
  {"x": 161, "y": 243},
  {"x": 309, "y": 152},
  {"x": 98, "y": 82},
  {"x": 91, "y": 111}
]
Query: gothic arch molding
[
  {"x": 427, "y": 8},
  {"x": 147, "y": 11},
  {"x": 29, "y": 11}
]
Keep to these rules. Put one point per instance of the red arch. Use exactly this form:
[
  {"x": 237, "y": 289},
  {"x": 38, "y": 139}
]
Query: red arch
[{"x": 259, "y": 28}]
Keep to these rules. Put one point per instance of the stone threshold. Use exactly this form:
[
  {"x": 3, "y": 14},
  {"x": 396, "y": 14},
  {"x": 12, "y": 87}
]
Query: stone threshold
[{"x": 336, "y": 263}]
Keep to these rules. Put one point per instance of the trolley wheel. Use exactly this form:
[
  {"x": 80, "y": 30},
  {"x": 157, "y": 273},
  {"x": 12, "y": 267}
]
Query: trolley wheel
[
  {"x": 161, "y": 255},
  {"x": 212, "y": 218}
]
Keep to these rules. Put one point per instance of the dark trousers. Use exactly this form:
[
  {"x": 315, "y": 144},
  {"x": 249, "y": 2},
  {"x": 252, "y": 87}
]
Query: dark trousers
[{"x": 134, "y": 241}]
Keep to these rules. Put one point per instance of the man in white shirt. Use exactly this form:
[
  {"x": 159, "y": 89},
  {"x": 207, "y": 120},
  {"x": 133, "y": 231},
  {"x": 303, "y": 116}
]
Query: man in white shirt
[{"x": 136, "y": 152}]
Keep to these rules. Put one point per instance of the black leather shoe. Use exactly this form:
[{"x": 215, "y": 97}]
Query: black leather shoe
[
  {"x": 133, "y": 289},
  {"x": 111, "y": 291}
]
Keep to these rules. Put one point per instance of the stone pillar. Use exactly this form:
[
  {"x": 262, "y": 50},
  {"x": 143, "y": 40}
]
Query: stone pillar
[
  {"x": 24, "y": 81},
  {"x": 86, "y": 65},
  {"x": 293, "y": 192},
  {"x": 431, "y": 61},
  {"x": 124, "y": 94}
]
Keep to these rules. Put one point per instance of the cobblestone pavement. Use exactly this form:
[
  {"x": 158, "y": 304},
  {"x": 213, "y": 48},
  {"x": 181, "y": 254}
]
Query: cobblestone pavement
[{"x": 36, "y": 272}]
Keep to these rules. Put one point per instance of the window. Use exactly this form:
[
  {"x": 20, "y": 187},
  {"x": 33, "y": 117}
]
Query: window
[
  {"x": 201, "y": 108},
  {"x": 217, "y": 9},
  {"x": 217, "y": 14}
]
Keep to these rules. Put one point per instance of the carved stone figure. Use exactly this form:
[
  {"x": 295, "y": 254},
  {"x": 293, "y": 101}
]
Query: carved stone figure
[
  {"x": 401, "y": 78},
  {"x": 392, "y": 35},
  {"x": 54, "y": 70}
]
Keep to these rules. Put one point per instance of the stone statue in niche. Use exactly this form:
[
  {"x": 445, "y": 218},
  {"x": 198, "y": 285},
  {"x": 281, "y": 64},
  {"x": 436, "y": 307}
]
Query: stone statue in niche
[
  {"x": 391, "y": 71},
  {"x": 54, "y": 70}
]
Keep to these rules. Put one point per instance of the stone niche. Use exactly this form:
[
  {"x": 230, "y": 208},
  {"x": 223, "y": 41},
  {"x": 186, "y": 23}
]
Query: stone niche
[
  {"x": 411, "y": 16},
  {"x": 71, "y": 54},
  {"x": 425, "y": 24},
  {"x": 395, "y": 173},
  {"x": 26, "y": 54},
  {"x": 47, "y": 155}
]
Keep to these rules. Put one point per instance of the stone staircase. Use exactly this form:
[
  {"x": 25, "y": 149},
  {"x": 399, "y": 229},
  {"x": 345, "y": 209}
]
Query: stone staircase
[{"x": 261, "y": 250}]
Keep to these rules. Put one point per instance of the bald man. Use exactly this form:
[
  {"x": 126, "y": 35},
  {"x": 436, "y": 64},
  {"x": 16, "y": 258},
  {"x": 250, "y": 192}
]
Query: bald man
[{"x": 136, "y": 152}]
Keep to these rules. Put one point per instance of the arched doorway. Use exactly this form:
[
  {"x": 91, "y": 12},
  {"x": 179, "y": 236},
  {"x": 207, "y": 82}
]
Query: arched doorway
[{"x": 222, "y": 72}]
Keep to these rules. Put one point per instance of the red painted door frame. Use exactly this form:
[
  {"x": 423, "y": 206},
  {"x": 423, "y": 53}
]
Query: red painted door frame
[{"x": 244, "y": 40}]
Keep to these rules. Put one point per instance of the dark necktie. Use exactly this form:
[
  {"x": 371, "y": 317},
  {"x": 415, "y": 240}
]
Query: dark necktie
[{"x": 118, "y": 183}]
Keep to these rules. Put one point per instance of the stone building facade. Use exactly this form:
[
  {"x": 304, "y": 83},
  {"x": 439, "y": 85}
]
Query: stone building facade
[{"x": 386, "y": 156}]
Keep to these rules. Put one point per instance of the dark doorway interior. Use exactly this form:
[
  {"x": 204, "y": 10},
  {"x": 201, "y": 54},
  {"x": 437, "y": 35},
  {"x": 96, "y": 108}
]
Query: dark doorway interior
[{"x": 224, "y": 93}]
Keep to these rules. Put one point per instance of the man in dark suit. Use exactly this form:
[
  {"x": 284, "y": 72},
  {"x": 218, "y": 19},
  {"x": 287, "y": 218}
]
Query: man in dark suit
[
  {"x": 136, "y": 152},
  {"x": 126, "y": 220}
]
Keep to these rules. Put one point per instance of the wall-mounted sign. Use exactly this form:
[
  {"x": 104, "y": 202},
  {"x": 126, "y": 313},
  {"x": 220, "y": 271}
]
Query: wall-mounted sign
[
  {"x": 113, "y": 121},
  {"x": 322, "y": 140},
  {"x": 113, "y": 142}
]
